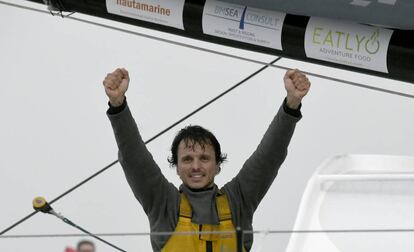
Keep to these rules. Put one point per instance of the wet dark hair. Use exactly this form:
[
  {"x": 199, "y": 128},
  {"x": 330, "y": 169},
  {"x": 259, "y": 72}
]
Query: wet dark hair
[
  {"x": 199, "y": 135},
  {"x": 84, "y": 242}
]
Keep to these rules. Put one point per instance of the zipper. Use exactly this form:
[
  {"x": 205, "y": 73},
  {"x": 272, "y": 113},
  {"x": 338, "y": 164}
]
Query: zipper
[{"x": 209, "y": 246}]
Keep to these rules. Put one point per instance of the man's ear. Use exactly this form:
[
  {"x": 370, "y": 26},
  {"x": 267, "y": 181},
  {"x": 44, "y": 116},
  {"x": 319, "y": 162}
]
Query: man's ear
[{"x": 218, "y": 169}]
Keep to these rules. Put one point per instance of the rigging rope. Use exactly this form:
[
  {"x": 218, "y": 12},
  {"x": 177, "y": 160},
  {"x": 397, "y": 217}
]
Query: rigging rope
[{"x": 134, "y": 234}]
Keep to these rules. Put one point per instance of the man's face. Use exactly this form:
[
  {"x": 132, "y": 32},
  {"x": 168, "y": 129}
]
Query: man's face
[
  {"x": 196, "y": 165},
  {"x": 86, "y": 248}
]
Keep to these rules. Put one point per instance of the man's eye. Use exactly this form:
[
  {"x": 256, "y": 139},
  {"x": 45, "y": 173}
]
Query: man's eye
[{"x": 204, "y": 158}]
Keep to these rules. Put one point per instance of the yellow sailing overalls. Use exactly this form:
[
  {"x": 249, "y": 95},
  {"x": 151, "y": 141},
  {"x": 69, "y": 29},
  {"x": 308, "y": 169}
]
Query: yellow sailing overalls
[{"x": 203, "y": 242}]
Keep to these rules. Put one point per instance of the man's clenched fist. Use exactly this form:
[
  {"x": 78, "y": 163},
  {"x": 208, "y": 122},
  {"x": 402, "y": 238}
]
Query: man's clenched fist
[
  {"x": 297, "y": 86},
  {"x": 116, "y": 84}
]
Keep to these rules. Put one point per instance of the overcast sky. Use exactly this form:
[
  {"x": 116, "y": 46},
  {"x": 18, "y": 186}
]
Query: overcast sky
[{"x": 55, "y": 132}]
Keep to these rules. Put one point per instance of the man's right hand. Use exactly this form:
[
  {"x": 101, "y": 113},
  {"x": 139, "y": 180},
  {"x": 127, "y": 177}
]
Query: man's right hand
[{"x": 116, "y": 85}]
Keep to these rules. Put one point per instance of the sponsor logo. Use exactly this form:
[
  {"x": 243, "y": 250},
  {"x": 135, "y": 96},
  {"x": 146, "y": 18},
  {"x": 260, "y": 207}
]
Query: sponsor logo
[
  {"x": 158, "y": 9},
  {"x": 347, "y": 43},
  {"x": 243, "y": 23},
  {"x": 244, "y": 16},
  {"x": 350, "y": 44},
  {"x": 164, "y": 12}
]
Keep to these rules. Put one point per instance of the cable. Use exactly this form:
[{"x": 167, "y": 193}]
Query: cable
[
  {"x": 59, "y": 197},
  {"x": 216, "y": 52},
  {"x": 40, "y": 204},
  {"x": 134, "y": 234},
  {"x": 92, "y": 235},
  {"x": 146, "y": 142}
]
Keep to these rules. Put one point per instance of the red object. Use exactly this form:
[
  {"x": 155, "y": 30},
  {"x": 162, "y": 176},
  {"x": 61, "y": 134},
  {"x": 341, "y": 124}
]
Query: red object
[{"x": 69, "y": 249}]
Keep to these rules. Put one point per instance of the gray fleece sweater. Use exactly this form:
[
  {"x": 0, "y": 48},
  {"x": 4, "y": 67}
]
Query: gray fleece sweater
[{"x": 161, "y": 200}]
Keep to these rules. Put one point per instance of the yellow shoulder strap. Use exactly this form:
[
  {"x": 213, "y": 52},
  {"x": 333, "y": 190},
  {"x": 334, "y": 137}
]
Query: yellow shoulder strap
[
  {"x": 185, "y": 207},
  {"x": 223, "y": 207}
]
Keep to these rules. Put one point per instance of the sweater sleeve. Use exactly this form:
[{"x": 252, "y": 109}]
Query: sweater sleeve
[
  {"x": 259, "y": 171},
  {"x": 145, "y": 178}
]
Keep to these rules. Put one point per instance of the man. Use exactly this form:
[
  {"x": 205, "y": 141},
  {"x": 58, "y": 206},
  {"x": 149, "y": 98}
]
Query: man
[
  {"x": 199, "y": 205},
  {"x": 86, "y": 246}
]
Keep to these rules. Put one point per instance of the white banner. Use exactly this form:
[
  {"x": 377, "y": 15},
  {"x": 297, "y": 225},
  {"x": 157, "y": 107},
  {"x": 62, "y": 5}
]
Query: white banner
[
  {"x": 349, "y": 44},
  {"x": 244, "y": 24},
  {"x": 164, "y": 12}
]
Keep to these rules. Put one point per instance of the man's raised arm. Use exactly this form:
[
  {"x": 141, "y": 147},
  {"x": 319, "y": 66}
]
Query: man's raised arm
[
  {"x": 261, "y": 168},
  {"x": 143, "y": 175}
]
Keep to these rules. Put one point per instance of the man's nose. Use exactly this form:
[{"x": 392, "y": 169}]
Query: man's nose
[{"x": 196, "y": 164}]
